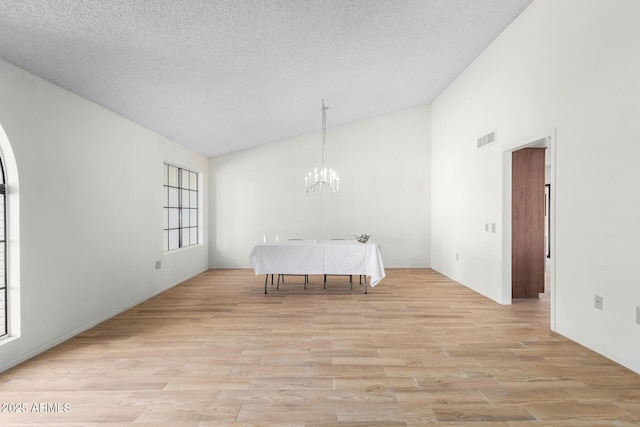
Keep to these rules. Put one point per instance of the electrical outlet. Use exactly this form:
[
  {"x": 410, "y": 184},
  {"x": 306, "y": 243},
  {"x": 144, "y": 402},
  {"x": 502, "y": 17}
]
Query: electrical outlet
[
  {"x": 158, "y": 265},
  {"x": 598, "y": 300},
  {"x": 457, "y": 256},
  {"x": 486, "y": 227},
  {"x": 493, "y": 227},
  {"x": 638, "y": 315}
]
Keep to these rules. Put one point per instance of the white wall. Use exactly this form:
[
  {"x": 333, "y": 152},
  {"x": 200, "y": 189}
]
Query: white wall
[
  {"x": 90, "y": 211},
  {"x": 384, "y": 169},
  {"x": 573, "y": 66}
]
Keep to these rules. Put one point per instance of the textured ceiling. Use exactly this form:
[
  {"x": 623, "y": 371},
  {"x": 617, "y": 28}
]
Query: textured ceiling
[{"x": 219, "y": 76}]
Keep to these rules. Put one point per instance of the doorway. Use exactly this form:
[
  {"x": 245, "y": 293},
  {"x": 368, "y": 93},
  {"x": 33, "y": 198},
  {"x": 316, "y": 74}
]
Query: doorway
[
  {"x": 527, "y": 222},
  {"x": 545, "y": 261}
]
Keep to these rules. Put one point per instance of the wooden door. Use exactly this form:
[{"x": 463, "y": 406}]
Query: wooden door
[{"x": 527, "y": 223}]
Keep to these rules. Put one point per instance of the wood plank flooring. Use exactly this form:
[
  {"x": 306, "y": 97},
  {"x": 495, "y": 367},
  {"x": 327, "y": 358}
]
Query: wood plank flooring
[{"x": 418, "y": 349}]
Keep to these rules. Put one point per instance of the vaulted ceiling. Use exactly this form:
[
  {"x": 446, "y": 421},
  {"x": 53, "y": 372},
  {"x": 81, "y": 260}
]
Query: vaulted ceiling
[{"x": 223, "y": 75}]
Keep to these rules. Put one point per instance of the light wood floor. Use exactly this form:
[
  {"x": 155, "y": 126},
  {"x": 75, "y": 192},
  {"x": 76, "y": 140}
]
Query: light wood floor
[{"x": 418, "y": 349}]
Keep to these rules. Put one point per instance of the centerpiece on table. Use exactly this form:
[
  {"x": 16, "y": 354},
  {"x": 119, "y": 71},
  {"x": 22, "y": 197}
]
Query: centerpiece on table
[{"x": 363, "y": 238}]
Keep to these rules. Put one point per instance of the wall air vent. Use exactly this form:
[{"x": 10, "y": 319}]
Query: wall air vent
[{"x": 487, "y": 139}]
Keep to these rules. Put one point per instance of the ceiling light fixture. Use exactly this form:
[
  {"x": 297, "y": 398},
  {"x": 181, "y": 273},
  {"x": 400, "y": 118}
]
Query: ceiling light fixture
[{"x": 317, "y": 179}]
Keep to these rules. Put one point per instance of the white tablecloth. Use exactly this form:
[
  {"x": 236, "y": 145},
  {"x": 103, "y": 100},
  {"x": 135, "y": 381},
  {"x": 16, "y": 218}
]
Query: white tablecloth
[{"x": 319, "y": 257}]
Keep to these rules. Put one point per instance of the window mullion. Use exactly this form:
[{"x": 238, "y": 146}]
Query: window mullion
[
  {"x": 179, "y": 207},
  {"x": 4, "y": 330}
]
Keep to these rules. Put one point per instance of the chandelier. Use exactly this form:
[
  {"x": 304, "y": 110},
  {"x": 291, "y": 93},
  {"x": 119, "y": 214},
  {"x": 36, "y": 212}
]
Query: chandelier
[{"x": 317, "y": 179}]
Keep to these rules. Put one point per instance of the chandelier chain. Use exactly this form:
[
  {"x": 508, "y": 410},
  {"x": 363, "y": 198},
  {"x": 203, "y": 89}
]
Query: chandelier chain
[{"x": 324, "y": 130}]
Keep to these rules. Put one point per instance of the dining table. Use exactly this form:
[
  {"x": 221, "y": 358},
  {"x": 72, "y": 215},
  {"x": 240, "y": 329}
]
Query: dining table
[{"x": 326, "y": 257}]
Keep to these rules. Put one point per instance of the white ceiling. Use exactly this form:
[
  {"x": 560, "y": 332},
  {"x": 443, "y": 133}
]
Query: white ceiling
[{"x": 219, "y": 76}]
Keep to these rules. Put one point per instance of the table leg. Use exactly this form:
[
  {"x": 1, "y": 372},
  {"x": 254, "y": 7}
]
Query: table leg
[
  {"x": 266, "y": 279},
  {"x": 365, "y": 284}
]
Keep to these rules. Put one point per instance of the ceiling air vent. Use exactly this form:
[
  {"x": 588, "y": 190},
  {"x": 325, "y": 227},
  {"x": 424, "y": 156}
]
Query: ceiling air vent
[{"x": 487, "y": 139}]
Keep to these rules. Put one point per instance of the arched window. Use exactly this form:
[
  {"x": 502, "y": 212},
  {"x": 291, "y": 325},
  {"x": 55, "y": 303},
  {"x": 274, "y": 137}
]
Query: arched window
[
  {"x": 3, "y": 255},
  {"x": 10, "y": 324}
]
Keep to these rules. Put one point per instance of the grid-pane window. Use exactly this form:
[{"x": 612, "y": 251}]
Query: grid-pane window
[
  {"x": 3, "y": 256},
  {"x": 180, "y": 216}
]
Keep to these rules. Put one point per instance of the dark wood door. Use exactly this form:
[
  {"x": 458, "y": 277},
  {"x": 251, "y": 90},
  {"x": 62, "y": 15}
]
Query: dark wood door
[{"x": 527, "y": 223}]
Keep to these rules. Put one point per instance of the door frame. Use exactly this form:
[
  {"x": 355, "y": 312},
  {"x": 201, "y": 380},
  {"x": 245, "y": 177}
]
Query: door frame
[{"x": 545, "y": 139}]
